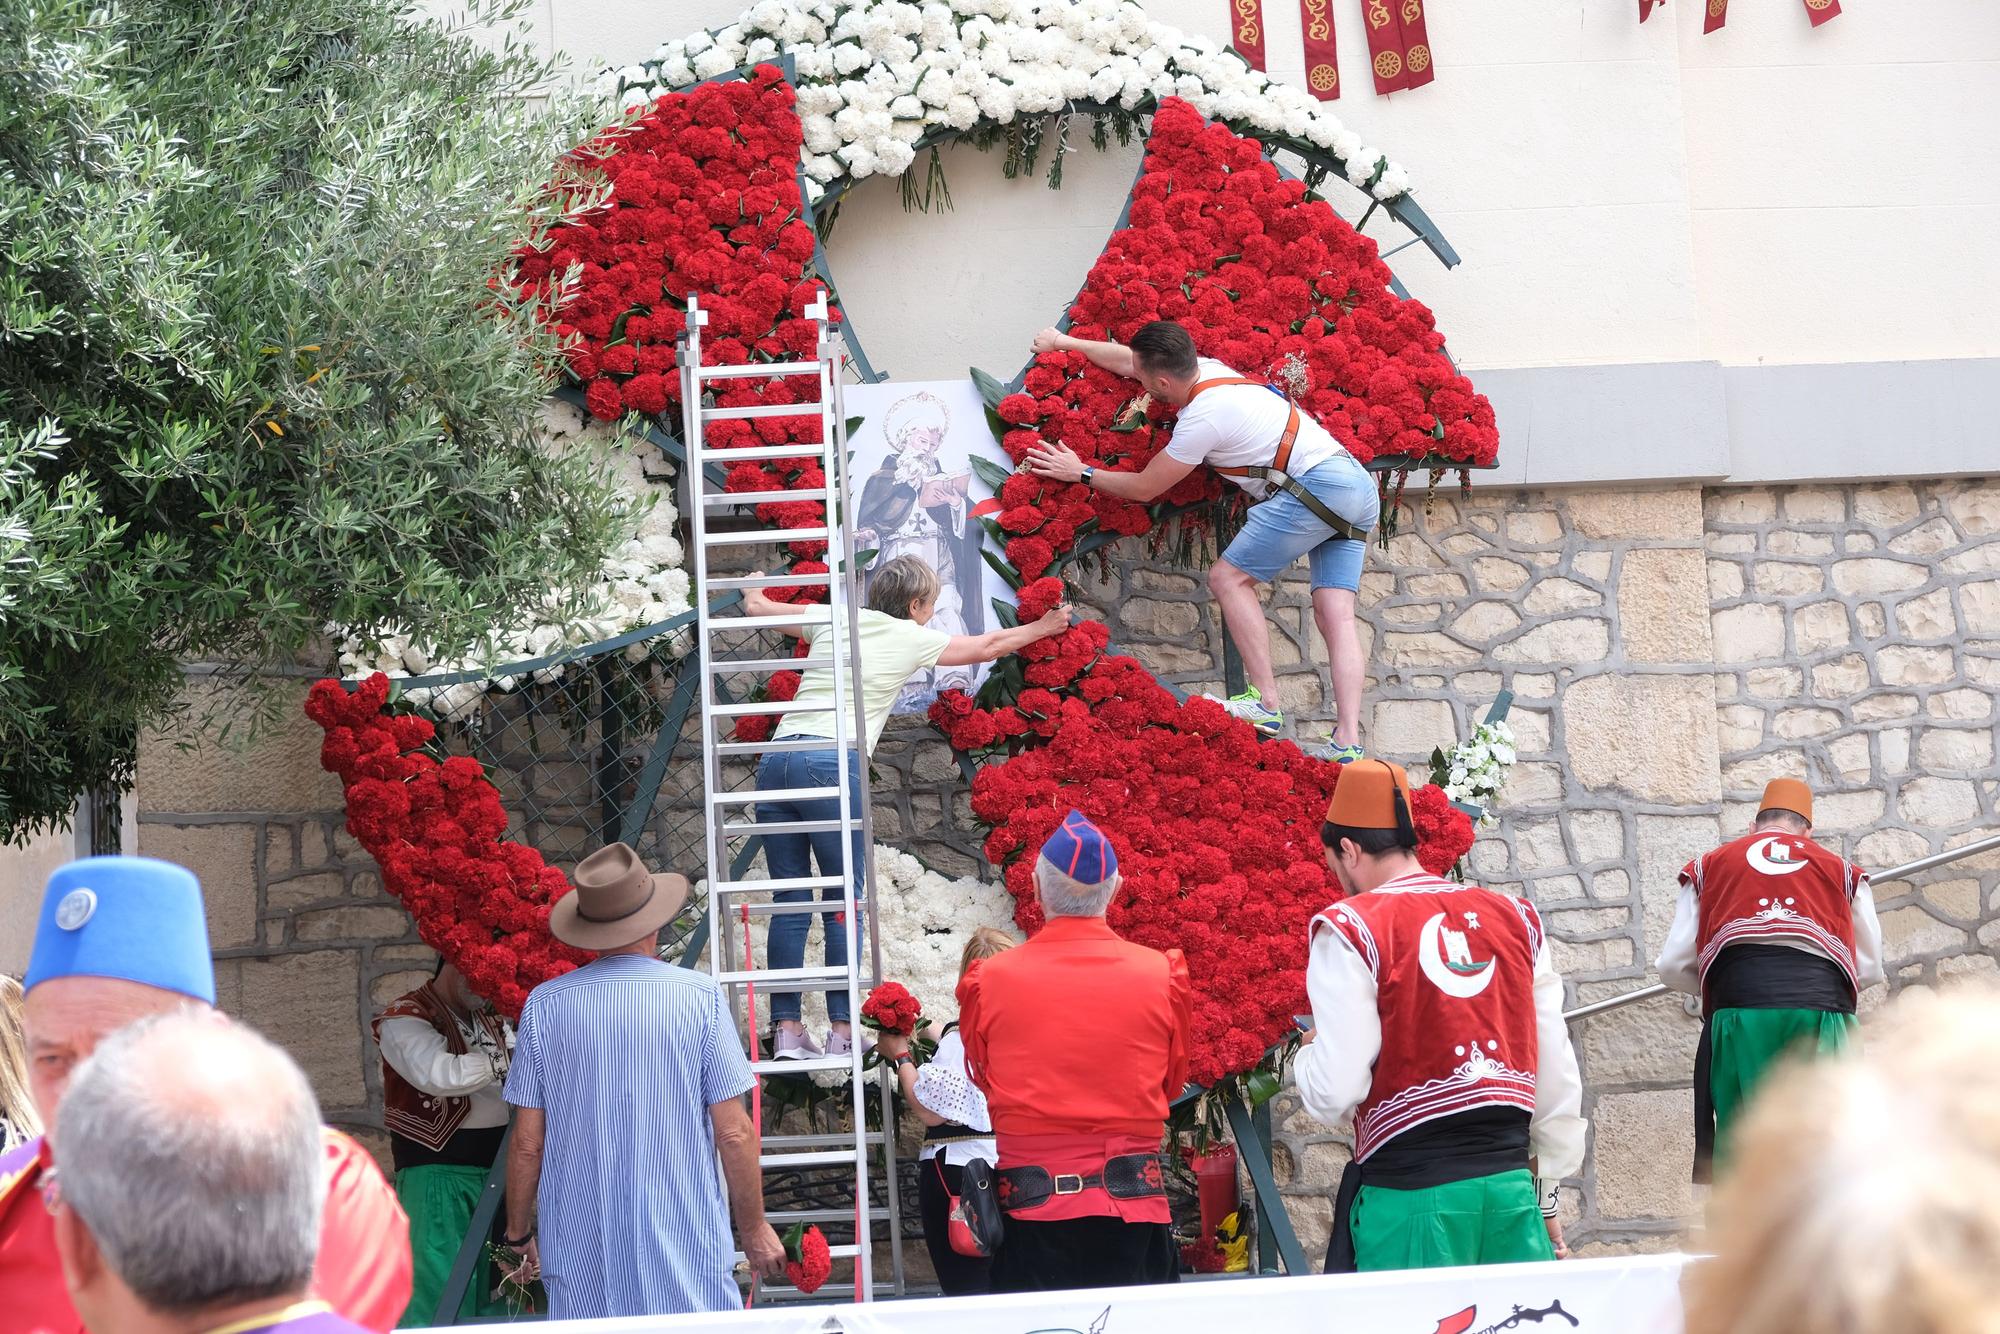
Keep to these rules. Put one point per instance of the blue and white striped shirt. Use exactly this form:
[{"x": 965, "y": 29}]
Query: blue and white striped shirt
[{"x": 625, "y": 1056}]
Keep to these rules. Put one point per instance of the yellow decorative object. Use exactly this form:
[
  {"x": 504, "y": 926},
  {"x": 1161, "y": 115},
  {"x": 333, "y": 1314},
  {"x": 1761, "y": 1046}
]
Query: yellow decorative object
[{"x": 1234, "y": 1244}]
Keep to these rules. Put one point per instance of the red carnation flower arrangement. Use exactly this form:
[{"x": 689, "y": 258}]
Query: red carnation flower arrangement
[
  {"x": 808, "y": 1259},
  {"x": 434, "y": 829},
  {"x": 890, "y": 1008}
]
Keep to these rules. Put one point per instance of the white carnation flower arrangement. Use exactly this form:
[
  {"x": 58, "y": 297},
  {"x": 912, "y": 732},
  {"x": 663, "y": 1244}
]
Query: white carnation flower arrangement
[
  {"x": 641, "y": 583},
  {"x": 1475, "y": 770},
  {"x": 879, "y": 79}
]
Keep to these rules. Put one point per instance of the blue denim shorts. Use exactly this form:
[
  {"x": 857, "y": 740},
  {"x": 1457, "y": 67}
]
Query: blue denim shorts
[{"x": 1280, "y": 530}]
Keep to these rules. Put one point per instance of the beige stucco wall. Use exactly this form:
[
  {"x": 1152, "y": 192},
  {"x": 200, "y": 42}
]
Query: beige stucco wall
[
  {"x": 1772, "y": 193},
  {"x": 1669, "y": 651}
]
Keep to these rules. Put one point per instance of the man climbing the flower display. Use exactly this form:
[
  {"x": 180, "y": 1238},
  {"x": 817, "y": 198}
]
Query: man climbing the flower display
[
  {"x": 1079, "y": 1040},
  {"x": 444, "y": 1059},
  {"x": 1777, "y": 936},
  {"x": 1438, "y": 1030},
  {"x": 1309, "y": 498}
]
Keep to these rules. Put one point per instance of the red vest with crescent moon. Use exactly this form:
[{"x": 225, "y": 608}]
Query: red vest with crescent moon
[
  {"x": 1778, "y": 888},
  {"x": 1454, "y": 969}
]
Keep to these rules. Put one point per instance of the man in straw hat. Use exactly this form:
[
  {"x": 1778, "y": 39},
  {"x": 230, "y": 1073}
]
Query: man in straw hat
[
  {"x": 1777, "y": 936},
  {"x": 1079, "y": 1040},
  {"x": 628, "y": 1078},
  {"x": 1438, "y": 1029},
  {"x": 121, "y": 939}
]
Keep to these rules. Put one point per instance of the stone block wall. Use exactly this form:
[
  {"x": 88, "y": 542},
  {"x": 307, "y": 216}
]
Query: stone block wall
[{"x": 1668, "y": 652}]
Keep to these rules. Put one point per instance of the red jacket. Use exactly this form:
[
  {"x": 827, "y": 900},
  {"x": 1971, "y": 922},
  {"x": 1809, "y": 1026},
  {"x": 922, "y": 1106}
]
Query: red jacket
[
  {"x": 1079, "y": 1040},
  {"x": 363, "y": 1269}
]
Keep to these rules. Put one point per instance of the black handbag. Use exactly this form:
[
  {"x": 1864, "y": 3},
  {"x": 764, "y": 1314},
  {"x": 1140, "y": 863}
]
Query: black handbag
[{"x": 977, "y": 1224}]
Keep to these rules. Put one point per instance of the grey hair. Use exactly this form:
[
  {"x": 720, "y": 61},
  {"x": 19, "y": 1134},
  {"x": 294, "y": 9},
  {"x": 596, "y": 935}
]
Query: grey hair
[
  {"x": 1781, "y": 819},
  {"x": 1065, "y": 896},
  {"x": 896, "y": 586},
  {"x": 190, "y": 1147}
]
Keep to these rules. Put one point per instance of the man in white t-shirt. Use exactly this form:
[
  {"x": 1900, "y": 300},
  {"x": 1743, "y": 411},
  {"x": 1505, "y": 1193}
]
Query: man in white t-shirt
[{"x": 1310, "y": 498}]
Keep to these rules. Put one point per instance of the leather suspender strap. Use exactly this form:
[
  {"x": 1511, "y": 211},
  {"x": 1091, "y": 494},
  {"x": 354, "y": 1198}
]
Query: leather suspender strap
[{"x": 1276, "y": 476}]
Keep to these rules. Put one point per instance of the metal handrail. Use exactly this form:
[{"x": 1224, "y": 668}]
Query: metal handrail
[{"x": 1988, "y": 844}]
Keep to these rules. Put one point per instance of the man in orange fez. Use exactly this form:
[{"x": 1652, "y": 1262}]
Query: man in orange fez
[
  {"x": 1438, "y": 1029},
  {"x": 1777, "y": 936},
  {"x": 119, "y": 939},
  {"x": 1079, "y": 1109}
]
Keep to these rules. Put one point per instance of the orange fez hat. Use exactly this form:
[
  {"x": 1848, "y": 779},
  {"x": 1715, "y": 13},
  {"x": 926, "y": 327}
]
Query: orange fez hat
[
  {"x": 1365, "y": 797},
  {"x": 1786, "y": 794}
]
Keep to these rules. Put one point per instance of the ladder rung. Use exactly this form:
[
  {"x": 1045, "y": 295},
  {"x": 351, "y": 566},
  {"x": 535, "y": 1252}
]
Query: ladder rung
[
  {"x": 781, "y": 1218},
  {"x": 755, "y": 370},
  {"x": 718, "y": 454},
  {"x": 740, "y": 829},
  {"x": 760, "y": 411},
  {"x": 825, "y": 1158},
  {"x": 804, "y": 1067},
  {"x": 725, "y": 666},
  {"x": 761, "y": 497},
  {"x": 757, "y": 537},
  {"x": 766, "y": 747},
  {"x": 748, "y": 796},
  {"x": 766, "y": 706},
  {"x": 720, "y": 581},
  {"x": 786, "y": 979},
  {"x": 782, "y": 909},
  {"x": 837, "y": 1140},
  {"x": 780, "y": 886},
  {"x": 817, "y": 614}
]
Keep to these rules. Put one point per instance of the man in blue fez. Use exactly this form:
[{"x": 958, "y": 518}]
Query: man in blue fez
[{"x": 121, "y": 939}]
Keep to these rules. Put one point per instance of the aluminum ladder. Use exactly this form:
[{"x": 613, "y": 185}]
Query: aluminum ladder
[{"x": 734, "y": 645}]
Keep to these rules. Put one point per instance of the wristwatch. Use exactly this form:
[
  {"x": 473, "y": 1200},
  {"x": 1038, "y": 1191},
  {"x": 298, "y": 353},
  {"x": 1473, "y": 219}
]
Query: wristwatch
[
  {"x": 520, "y": 1241},
  {"x": 903, "y": 1058},
  {"x": 1088, "y": 473}
]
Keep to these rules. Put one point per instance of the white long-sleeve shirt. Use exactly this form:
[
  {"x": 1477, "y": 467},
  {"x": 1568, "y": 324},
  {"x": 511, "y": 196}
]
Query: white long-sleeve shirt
[
  {"x": 1679, "y": 964},
  {"x": 1336, "y": 1069},
  {"x": 419, "y": 1055}
]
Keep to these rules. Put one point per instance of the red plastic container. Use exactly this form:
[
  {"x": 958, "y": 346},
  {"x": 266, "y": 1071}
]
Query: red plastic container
[{"x": 1215, "y": 1174}]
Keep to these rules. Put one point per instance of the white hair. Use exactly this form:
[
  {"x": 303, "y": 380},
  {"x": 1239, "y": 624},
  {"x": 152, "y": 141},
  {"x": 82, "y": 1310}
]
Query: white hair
[
  {"x": 1065, "y": 896},
  {"x": 190, "y": 1147}
]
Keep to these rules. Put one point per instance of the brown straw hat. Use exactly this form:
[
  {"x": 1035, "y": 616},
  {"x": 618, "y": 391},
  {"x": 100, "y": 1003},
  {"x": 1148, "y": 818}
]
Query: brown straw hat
[{"x": 616, "y": 901}]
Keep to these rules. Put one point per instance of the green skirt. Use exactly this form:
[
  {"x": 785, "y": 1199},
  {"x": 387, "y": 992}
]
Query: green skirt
[
  {"x": 1746, "y": 1045},
  {"x": 1486, "y": 1220},
  {"x": 440, "y": 1201}
]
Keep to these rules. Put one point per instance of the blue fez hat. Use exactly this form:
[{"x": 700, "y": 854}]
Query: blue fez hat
[
  {"x": 1080, "y": 851},
  {"x": 135, "y": 918}
]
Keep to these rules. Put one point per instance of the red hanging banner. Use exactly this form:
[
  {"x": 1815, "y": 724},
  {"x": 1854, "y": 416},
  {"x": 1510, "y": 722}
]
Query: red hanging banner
[
  {"x": 1819, "y": 11},
  {"x": 1646, "y": 8},
  {"x": 1718, "y": 14},
  {"x": 1385, "y": 46},
  {"x": 1246, "y": 20},
  {"x": 1322, "y": 56},
  {"x": 1417, "y": 69}
]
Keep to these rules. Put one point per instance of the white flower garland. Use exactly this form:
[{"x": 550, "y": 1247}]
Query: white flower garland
[
  {"x": 876, "y": 76},
  {"x": 642, "y": 583},
  {"x": 1476, "y": 768}
]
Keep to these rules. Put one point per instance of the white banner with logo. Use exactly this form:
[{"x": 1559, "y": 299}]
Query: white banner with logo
[{"x": 1614, "y": 1295}]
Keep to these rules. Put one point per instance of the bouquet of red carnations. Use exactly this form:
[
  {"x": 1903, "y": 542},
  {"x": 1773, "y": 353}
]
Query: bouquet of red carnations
[
  {"x": 890, "y": 1008},
  {"x": 808, "y": 1261}
]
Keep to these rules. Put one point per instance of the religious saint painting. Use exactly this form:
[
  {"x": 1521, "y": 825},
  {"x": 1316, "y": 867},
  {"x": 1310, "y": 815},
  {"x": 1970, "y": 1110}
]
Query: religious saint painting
[{"x": 916, "y": 496}]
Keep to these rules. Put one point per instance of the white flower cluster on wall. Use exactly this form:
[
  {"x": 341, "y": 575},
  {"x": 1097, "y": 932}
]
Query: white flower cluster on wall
[
  {"x": 1475, "y": 770},
  {"x": 877, "y": 76},
  {"x": 641, "y": 583}
]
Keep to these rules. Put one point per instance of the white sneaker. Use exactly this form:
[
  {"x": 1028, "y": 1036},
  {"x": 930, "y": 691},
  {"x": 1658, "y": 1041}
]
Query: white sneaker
[
  {"x": 1250, "y": 707},
  {"x": 790, "y": 1045}
]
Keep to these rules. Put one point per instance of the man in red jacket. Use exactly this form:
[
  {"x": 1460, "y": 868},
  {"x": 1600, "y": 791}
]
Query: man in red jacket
[
  {"x": 121, "y": 938},
  {"x": 1079, "y": 1110},
  {"x": 1778, "y": 937}
]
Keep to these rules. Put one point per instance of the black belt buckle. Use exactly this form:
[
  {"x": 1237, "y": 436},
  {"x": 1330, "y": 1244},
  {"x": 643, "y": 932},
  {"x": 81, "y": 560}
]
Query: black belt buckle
[{"x": 1069, "y": 1183}]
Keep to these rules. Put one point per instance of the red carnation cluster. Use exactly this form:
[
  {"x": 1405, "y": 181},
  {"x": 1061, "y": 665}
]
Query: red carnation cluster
[
  {"x": 1262, "y": 277},
  {"x": 434, "y": 829},
  {"x": 704, "y": 201},
  {"x": 890, "y": 1008},
  {"x": 809, "y": 1261},
  {"x": 1217, "y": 835}
]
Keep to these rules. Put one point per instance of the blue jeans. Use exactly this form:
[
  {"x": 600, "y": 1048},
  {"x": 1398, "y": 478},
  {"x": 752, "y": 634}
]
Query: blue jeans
[
  {"x": 1281, "y": 529},
  {"x": 790, "y": 857}
]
